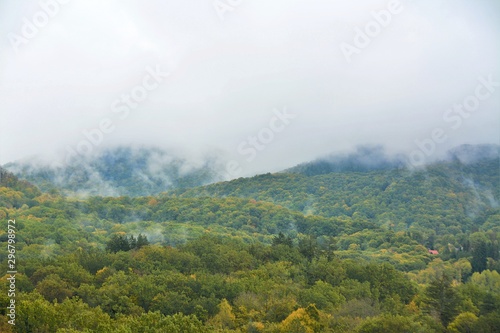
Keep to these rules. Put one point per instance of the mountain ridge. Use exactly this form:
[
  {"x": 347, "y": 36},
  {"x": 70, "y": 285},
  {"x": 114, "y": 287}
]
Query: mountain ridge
[
  {"x": 150, "y": 170},
  {"x": 119, "y": 171}
]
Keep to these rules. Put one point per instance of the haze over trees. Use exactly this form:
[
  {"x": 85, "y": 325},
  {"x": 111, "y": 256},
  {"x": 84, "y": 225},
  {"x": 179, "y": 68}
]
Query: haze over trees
[{"x": 312, "y": 249}]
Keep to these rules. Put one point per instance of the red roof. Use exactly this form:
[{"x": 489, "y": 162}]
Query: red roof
[{"x": 433, "y": 252}]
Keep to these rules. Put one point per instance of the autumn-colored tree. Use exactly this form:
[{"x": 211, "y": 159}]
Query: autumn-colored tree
[
  {"x": 225, "y": 319},
  {"x": 303, "y": 320},
  {"x": 463, "y": 323}
]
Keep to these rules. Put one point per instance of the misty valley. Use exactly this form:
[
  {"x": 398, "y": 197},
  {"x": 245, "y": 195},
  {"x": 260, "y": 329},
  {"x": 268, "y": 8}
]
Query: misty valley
[
  {"x": 141, "y": 240},
  {"x": 238, "y": 166}
]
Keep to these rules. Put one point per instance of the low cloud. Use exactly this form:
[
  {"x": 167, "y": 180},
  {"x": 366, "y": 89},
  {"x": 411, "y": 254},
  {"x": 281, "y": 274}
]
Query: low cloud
[{"x": 227, "y": 76}]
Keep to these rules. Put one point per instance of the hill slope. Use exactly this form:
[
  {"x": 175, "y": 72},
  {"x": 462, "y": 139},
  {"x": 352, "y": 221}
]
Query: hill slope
[
  {"x": 119, "y": 171},
  {"x": 443, "y": 195},
  {"x": 239, "y": 264}
]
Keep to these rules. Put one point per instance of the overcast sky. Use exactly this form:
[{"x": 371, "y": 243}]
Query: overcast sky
[{"x": 234, "y": 64}]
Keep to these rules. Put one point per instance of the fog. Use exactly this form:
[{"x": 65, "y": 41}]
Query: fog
[{"x": 265, "y": 84}]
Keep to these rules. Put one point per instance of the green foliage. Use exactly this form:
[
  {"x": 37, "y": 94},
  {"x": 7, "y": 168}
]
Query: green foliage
[
  {"x": 463, "y": 323},
  {"x": 342, "y": 252},
  {"x": 54, "y": 288},
  {"x": 442, "y": 298},
  {"x": 436, "y": 196},
  {"x": 393, "y": 324},
  {"x": 487, "y": 280},
  {"x": 156, "y": 322},
  {"x": 323, "y": 295},
  {"x": 479, "y": 257},
  {"x": 124, "y": 243}
]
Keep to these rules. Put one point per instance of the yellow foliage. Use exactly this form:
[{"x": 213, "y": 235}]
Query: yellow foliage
[
  {"x": 295, "y": 321},
  {"x": 463, "y": 323},
  {"x": 103, "y": 274},
  {"x": 302, "y": 320},
  {"x": 258, "y": 326},
  {"x": 119, "y": 229},
  {"x": 225, "y": 318},
  {"x": 32, "y": 218},
  {"x": 413, "y": 308},
  {"x": 44, "y": 198},
  {"x": 5, "y": 327},
  {"x": 354, "y": 247}
]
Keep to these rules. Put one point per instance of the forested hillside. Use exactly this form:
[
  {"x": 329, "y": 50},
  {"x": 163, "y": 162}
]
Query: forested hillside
[
  {"x": 370, "y": 158},
  {"x": 118, "y": 171},
  {"x": 446, "y": 196},
  {"x": 342, "y": 251}
]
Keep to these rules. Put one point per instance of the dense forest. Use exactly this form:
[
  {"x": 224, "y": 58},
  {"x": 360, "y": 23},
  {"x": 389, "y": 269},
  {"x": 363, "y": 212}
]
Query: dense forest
[
  {"x": 118, "y": 171},
  {"x": 313, "y": 249}
]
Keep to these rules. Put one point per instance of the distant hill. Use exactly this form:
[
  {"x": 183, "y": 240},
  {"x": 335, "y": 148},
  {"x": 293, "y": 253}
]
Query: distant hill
[
  {"x": 149, "y": 171},
  {"x": 371, "y": 158},
  {"x": 468, "y": 154},
  {"x": 365, "y": 158},
  {"x": 119, "y": 171},
  {"x": 15, "y": 192},
  {"x": 447, "y": 194}
]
